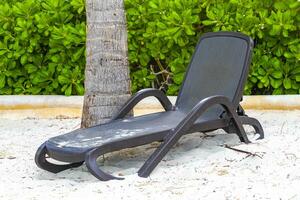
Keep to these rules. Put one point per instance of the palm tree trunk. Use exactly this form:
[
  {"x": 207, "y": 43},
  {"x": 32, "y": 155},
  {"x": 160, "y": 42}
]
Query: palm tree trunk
[{"x": 107, "y": 80}]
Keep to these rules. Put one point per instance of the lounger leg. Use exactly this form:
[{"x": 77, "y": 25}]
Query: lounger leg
[
  {"x": 254, "y": 123},
  {"x": 40, "y": 160},
  {"x": 157, "y": 155},
  {"x": 91, "y": 163},
  {"x": 231, "y": 129},
  {"x": 240, "y": 131},
  {"x": 245, "y": 120}
]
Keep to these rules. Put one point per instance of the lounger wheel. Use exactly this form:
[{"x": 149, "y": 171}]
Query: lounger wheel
[
  {"x": 91, "y": 164},
  {"x": 41, "y": 161}
]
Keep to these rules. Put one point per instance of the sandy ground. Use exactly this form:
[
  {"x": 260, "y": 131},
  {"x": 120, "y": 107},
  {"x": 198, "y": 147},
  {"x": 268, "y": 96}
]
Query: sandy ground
[{"x": 198, "y": 167}]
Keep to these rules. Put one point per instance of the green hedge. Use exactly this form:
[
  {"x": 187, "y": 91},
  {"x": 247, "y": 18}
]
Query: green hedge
[
  {"x": 42, "y": 46},
  {"x": 42, "y": 43}
]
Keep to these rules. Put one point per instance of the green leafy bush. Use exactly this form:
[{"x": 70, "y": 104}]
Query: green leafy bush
[
  {"x": 163, "y": 34},
  {"x": 42, "y": 45},
  {"x": 162, "y": 37}
]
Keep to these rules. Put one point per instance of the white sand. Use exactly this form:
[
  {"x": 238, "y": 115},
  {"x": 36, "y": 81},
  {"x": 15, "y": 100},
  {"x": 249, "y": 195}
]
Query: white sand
[{"x": 197, "y": 168}]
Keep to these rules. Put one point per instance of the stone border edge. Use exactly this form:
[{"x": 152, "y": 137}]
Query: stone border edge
[{"x": 49, "y": 106}]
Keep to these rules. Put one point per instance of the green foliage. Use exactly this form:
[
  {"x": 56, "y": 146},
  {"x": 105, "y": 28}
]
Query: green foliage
[
  {"x": 163, "y": 34},
  {"x": 42, "y": 43},
  {"x": 42, "y": 47},
  {"x": 162, "y": 37}
]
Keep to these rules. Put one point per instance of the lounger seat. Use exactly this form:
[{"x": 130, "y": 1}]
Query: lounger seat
[{"x": 73, "y": 146}]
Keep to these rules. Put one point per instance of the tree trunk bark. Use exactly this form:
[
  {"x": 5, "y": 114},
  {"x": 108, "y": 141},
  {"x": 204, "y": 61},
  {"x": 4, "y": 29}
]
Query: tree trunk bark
[{"x": 107, "y": 80}]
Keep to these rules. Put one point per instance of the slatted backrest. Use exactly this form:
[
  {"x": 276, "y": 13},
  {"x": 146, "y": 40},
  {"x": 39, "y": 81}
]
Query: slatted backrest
[{"x": 219, "y": 66}]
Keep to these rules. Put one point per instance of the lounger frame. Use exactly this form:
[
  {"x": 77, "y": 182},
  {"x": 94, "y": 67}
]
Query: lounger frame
[{"x": 232, "y": 121}]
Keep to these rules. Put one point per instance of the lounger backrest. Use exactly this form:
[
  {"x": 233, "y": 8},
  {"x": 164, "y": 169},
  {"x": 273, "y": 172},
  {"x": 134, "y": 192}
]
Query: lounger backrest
[{"x": 219, "y": 66}]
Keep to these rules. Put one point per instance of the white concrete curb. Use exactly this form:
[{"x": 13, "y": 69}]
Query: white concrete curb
[
  {"x": 49, "y": 106},
  {"x": 39, "y": 101}
]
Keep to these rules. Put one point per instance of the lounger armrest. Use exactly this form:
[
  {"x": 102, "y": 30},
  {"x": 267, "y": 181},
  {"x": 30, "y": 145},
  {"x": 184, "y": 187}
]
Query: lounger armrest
[{"x": 136, "y": 98}]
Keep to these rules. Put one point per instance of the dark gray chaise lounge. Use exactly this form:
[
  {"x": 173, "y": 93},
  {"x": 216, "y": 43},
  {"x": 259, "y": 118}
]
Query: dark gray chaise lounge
[{"x": 208, "y": 100}]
